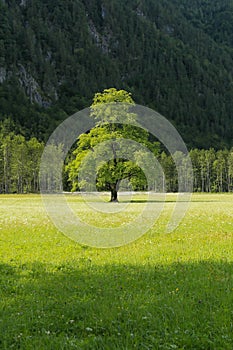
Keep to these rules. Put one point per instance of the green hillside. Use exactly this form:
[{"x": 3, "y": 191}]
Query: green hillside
[{"x": 174, "y": 56}]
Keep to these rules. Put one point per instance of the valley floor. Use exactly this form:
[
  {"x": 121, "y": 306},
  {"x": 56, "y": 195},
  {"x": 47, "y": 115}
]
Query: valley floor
[{"x": 162, "y": 291}]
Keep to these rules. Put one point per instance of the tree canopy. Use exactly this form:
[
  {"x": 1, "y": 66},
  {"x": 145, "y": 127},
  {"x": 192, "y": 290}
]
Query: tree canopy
[{"x": 110, "y": 152}]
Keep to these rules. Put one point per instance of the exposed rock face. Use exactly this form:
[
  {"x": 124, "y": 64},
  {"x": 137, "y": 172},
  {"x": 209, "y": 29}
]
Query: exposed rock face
[
  {"x": 140, "y": 13},
  {"x": 101, "y": 40},
  {"x": 23, "y": 3},
  {"x": 31, "y": 87},
  {"x": 3, "y": 74},
  {"x": 103, "y": 11}
]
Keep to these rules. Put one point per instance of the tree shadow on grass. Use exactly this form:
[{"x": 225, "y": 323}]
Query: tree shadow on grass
[
  {"x": 179, "y": 306},
  {"x": 170, "y": 201},
  {"x": 150, "y": 201}
]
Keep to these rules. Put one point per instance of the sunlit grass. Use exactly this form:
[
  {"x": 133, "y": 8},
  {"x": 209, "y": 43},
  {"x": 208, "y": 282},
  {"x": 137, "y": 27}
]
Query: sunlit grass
[{"x": 163, "y": 291}]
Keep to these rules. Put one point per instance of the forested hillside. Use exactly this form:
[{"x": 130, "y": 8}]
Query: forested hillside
[{"x": 175, "y": 56}]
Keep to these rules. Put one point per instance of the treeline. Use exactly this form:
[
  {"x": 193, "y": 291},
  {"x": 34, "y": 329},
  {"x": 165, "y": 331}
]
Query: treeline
[
  {"x": 212, "y": 170},
  {"x": 20, "y": 165}
]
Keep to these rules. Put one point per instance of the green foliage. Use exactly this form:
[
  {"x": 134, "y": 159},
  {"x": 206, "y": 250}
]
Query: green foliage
[
  {"x": 19, "y": 163},
  {"x": 105, "y": 139},
  {"x": 173, "y": 56},
  {"x": 212, "y": 170},
  {"x": 111, "y": 95}
]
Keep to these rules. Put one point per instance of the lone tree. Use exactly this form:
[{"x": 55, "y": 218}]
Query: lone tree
[{"x": 100, "y": 153}]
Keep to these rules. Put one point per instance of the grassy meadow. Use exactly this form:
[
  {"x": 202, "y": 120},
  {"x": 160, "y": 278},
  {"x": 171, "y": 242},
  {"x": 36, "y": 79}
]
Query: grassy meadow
[{"x": 163, "y": 291}]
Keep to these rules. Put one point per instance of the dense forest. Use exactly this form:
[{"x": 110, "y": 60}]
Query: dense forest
[{"x": 173, "y": 56}]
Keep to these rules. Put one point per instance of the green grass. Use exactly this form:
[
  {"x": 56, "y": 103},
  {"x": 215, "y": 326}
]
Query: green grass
[{"x": 164, "y": 291}]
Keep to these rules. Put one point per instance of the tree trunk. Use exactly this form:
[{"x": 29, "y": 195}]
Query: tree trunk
[{"x": 114, "y": 193}]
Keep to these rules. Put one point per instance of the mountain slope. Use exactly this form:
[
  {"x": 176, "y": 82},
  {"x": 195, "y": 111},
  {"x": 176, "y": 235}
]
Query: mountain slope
[{"x": 174, "y": 56}]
